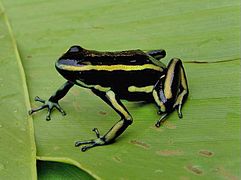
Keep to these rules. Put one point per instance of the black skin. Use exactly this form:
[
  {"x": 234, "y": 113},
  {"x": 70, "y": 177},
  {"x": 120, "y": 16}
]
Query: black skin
[{"x": 169, "y": 93}]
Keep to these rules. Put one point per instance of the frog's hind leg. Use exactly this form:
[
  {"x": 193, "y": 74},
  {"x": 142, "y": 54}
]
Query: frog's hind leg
[
  {"x": 110, "y": 98},
  {"x": 183, "y": 92},
  {"x": 171, "y": 91},
  {"x": 157, "y": 54}
]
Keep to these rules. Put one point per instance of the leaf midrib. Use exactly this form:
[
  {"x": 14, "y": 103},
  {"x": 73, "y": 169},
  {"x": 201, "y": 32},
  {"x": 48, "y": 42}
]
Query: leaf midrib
[{"x": 25, "y": 90}]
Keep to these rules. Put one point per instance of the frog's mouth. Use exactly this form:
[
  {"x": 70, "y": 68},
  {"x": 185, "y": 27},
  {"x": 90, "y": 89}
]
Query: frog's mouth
[
  {"x": 67, "y": 65},
  {"x": 67, "y": 69}
]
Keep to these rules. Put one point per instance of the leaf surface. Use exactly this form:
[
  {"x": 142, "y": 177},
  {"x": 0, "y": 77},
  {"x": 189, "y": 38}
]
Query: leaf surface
[
  {"x": 17, "y": 144},
  {"x": 204, "y": 144}
]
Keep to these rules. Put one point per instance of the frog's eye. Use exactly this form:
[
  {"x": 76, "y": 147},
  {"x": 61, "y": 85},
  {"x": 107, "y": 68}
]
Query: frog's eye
[{"x": 75, "y": 49}]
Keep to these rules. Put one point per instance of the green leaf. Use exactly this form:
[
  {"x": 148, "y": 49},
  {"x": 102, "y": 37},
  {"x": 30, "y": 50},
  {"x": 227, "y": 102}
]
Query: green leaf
[
  {"x": 205, "y": 144},
  {"x": 54, "y": 170},
  {"x": 17, "y": 145}
]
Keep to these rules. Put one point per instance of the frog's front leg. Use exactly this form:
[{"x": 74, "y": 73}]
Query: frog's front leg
[
  {"x": 171, "y": 90},
  {"x": 53, "y": 100},
  {"x": 110, "y": 98}
]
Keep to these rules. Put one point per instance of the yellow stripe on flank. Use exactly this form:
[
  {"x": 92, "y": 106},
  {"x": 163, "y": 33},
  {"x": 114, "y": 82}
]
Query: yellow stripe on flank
[
  {"x": 146, "y": 89},
  {"x": 98, "y": 87},
  {"x": 109, "y": 67}
]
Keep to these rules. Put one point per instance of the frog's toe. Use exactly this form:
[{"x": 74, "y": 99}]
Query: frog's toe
[
  {"x": 159, "y": 112},
  {"x": 48, "y": 118},
  {"x": 161, "y": 120},
  {"x": 79, "y": 143},
  {"x": 91, "y": 143},
  {"x": 180, "y": 114},
  {"x": 84, "y": 148},
  {"x": 60, "y": 109},
  {"x": 179, "y": 110},
  {"x": 31, "y": 111},
  {"x": 96, "y": 132},
  {"x": 39, "y": 99}
]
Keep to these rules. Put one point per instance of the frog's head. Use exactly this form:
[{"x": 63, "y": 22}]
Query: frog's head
[
  {"x": 69, "y": 62},
  {"x": 73, "y": 56}
]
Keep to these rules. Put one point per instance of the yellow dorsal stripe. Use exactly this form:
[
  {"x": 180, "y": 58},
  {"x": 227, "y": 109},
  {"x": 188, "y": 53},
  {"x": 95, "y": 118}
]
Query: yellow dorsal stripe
[{"x": 109, "y": 67}]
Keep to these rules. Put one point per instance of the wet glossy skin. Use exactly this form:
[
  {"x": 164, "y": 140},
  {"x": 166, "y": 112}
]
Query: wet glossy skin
[
  {"x": 119, "y": 71},
  {"x": 132, "y": 75}
]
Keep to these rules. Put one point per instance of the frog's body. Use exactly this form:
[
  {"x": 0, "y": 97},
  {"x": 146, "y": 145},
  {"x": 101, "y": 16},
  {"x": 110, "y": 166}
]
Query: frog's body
[{"x": 132, "y": 75}]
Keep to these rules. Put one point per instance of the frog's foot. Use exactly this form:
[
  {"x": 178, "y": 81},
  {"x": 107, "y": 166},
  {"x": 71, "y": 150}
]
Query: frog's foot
[
  {"x": 161, "y": 120},
  {"x": 91, "y": 143},
  {"x": 179, "y": 103},
  {"x": 49, "y": 105},
  {"x": 179, "y": 110}
]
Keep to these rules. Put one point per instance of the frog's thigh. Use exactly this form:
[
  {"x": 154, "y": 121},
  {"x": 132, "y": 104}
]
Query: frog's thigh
[
  {"x": 182, "y": 96},
  {"x": 175, "y": 85}
]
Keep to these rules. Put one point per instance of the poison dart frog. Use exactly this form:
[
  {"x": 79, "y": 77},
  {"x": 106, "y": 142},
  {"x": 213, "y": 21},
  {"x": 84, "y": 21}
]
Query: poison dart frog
[{"x": 133, "y": 75}]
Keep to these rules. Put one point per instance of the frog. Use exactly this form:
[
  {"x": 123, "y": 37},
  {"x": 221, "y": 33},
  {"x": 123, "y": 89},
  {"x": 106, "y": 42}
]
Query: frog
[{"x": 132, "y": 75}]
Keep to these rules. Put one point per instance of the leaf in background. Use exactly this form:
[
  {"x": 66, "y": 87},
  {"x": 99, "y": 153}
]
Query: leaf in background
[
  {"x": 204, "y": 144},
  {"x": 54, "y": 170},
  {"x": 17, "y": 146}
]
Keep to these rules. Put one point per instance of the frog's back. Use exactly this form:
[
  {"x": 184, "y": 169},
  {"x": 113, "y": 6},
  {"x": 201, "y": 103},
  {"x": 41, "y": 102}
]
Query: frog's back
[
  {"x": 91, "y": 57},
  {"x": 130, "y": 57}
]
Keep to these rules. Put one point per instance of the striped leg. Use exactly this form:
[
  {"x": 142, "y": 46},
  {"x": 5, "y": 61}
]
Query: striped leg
[
  {"x": 110, "y": 98},
  {"x": 53, "y": 100},
  {"x": 182, "y": 96},
  {"x": 170, "y": 93}
]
